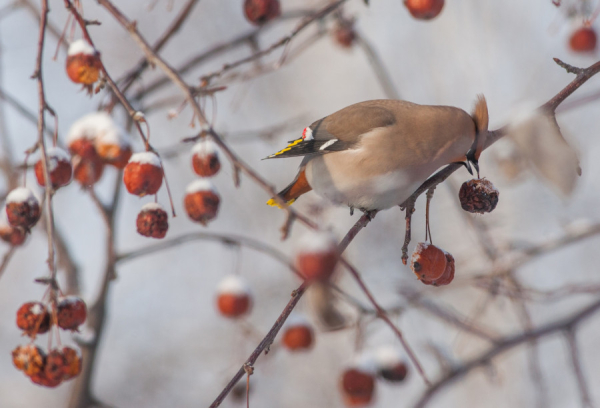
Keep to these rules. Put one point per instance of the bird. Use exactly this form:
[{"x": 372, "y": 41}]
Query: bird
[{"x": 373, "y": 155}]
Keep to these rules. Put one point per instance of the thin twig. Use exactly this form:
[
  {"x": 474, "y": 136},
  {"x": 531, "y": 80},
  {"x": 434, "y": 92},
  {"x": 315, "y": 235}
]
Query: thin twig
[
  {"x": 584, "y": 392},
  {"x": 504, "y": 345}
]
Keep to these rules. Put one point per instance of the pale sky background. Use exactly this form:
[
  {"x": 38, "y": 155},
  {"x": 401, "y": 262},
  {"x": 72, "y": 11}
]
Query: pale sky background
[{"x": 164, "y": 344}]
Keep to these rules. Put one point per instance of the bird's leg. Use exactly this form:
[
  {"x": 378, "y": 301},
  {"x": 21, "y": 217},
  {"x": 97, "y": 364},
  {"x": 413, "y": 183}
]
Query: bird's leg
[
  {"x": 427, "y": 228},
  {"x": 409, "y": 208},
  {"x": 351, "y": 211},
  {"x": 368, "y": 213}
]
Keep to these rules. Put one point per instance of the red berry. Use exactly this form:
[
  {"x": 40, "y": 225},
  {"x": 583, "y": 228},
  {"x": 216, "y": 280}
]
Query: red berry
[
  {"x": 33, "y": 318},
  {"x": 87, "y": 164},
  {"x": 358, "y": 387},
  {"x": 53, "y": 373},
  {"x": 202, "y": 201},
  {"x": 143, "y": 174},
  {"x": 110, "y": 141},
  {"x": 390, "y": 366},
  {"x": 72, "y": 366},
  {"x": 424, "y": 9},
  {"x": 14, "y": 236},
  {"x": 71, "y": 312},
  {"x": 583, "y": 39},
  {"x": 22, "y": 208},
  {"x": 29, "y": 358},
  {"x": 205, "y": 158},
  {"x": 344, "y": 33},
  {"x": 298, "y": 335},
  {"x": 83, "y": 63},
  {"x": 233, "y": 297},
  {"x": 260, "y": 11},
  {"x": 432, "y": 265},
  {"x": 152, "y": 221},
  {"x": 59, "y": 167},
  {"x": 317, "y": 256}
]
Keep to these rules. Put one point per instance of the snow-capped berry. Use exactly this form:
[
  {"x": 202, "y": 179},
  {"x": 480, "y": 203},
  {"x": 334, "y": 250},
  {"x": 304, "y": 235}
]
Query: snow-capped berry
[
  {"x": 260, "y": 11},
  {"x": 448, "y": 274},
  {"x": 14, "y": 236},
  {"x": 233, "y": 297},
  {"x": 33, "y": 318},
  {"x": 584, "y": 39},
  {"x": 71, "y": 312},
  {"x": 29, "y": 358},
  {"x": 22, "y": 208},
  {"x": 428, "y": 262},
  {"x": 143, "y": 174},
  {"x": 87, "y": 171},
  {"x": 424, "y": 9},
  {"x": 111, "y": 142},
  {"x": 358, "y": 381},
  {"x": 202, "y": 201},
  {"x": 59, "y": 167},
  {"x": 83, "y": 63},
  {"x": 87, "y": 164},
  {"x": 317, "y": 255},
  {"x": 390, "y": 365},
  {"x": 478, "y": 196},
  {"x": 152, "y": 221},
  {"x": 297, "y": 334},
  {"x": 72, "y": 366},
  {"x": 205, "y": 158}
]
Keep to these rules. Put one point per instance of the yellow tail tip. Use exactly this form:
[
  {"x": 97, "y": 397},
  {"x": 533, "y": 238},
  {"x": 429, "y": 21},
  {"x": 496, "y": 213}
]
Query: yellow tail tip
[{"x": 274, "y": 203}]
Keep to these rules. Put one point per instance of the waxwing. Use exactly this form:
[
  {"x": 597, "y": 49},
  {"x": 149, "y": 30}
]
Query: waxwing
[{"x": 373, "y": 155}]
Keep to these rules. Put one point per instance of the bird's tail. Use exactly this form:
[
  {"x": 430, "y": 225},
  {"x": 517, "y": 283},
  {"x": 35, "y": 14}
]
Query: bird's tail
[
  {"x": 481, "y": 118},
  {"x": 289, "y": 194}
]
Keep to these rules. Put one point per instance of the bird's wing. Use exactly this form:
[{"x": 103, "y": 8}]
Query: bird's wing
[{"x": 341, "y": 130}]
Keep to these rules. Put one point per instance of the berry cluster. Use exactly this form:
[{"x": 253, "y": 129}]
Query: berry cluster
[
  {"x": 358, "y": 381},
  {"x": 58, "y": 364},
  {"x": 94, "y": 141},
  {"x": 202, "y": 200}
]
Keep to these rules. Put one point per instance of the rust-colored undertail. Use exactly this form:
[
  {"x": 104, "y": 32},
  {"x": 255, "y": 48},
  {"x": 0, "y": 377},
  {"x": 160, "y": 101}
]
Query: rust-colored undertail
[{"x": 298, "y": 187}]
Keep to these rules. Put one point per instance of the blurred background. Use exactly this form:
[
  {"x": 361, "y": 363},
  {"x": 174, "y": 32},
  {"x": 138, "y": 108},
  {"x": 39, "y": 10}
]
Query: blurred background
[{"x": 163, "y": 342}]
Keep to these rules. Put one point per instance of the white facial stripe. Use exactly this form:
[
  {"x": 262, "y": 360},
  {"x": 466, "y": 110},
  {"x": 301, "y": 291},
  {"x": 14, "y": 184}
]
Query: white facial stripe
[
  {"x": 307, "y": 134},
  {"x": 326, "y": 145}
]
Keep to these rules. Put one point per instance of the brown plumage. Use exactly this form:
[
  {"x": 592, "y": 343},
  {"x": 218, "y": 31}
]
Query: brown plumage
[{"x": 374, "y": 154}]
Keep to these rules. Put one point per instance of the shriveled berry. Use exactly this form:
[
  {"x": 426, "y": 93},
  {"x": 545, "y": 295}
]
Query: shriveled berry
[
  {"x": 72, "y": 366},
  {"x": 33, "y": 318},
  {"x": 29, "y": 358},
  {"x": 71, "y": 312},
  {"x": 478, "y": 196},
  {"x": 202, "y": 201},
  {"x": 22, "y": 208},
  {"x": 152, "y": 221}
]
